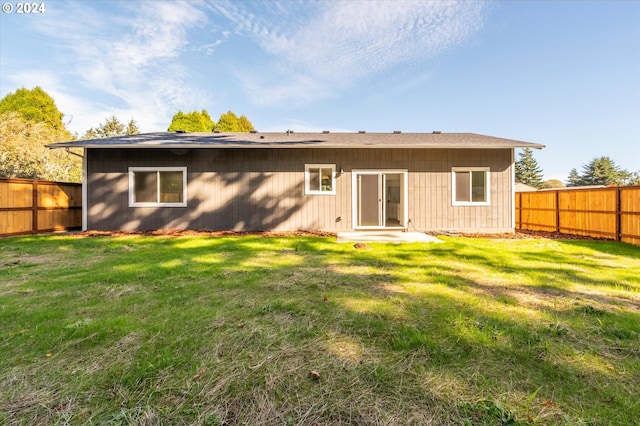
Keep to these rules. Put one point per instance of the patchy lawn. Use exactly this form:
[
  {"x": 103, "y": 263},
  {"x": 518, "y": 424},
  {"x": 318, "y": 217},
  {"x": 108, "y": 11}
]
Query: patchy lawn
[{"x": 253, "y": 330}]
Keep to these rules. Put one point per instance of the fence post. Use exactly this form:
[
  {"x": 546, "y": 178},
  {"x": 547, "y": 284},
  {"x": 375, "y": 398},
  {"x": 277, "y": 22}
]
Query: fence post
[
  {"x": 34, "y": 207},
  {"x": 519, "y": 194},
  {"x": 618, "y": 215},
  {"x": 557, "y": 211}
]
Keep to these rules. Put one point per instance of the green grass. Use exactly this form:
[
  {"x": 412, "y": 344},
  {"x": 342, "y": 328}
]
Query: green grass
[{"x": 224, "y": 331}]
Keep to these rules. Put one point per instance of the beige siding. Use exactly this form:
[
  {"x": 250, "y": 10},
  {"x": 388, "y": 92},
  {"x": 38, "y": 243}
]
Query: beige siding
[{"x": 259, "y": 189}]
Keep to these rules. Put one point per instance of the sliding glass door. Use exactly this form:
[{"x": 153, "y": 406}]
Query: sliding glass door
[{"x": 379, "y": 199}]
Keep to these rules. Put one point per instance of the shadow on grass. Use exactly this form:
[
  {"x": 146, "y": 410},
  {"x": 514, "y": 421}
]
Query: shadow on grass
[{"x": 397, "y": 334}]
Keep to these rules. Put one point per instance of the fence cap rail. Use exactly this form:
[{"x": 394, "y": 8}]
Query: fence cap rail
[
  {"x": 582, "y": 189},
  {"x": 38, "y": 181}
]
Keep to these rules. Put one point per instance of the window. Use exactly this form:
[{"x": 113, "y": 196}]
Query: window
[
  {"x": 470, "y": 186},
  {"x": 319, "y": 179},
  {"x": 157, "y": 186}
]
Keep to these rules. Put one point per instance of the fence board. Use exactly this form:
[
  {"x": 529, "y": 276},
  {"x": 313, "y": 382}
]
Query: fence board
[
  {"x": 60, "y": 195},
  {"x": 539, "y": 213},
  {"x": 15, "y": 194},
  {"x": 13, "y": 222},
  {"x": 31, "y": 206},
  {"x": 612, "y": 212},
  {"x": 57, "y": 220},
  {"x": 630, "y": 214}
]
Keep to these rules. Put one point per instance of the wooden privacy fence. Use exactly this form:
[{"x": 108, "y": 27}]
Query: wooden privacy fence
[
  {"x": 35, "y": 206},
  {"x": 612, "y": 212}
]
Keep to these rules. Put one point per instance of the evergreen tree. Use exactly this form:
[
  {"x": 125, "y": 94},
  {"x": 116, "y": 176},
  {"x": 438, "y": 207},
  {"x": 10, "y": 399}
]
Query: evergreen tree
[
  {"x": 602, "y": 171},
  {"x": 132, "y": 128},
  {"x": 193, "y": 121},
  {"x": 527, "y": 169},
  {"x": 112, "y": 127},
  {"x": 574, "y": 179}
]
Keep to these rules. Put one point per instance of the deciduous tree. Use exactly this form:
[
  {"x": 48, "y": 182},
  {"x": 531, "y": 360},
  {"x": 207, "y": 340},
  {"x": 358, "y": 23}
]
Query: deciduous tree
[
  {"x": 193, "y": 121},
  {"x": 552, "y": 183},
  {"x": 23, "y": 151},
  {"x": 244, "y": 124},
  {"x": 230, "y": 122},
  {"x": 35, "y": 105}
]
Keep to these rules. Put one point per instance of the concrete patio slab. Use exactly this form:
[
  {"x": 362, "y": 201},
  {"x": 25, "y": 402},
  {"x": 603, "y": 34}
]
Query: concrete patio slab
[{"x": 386, "y": 237}]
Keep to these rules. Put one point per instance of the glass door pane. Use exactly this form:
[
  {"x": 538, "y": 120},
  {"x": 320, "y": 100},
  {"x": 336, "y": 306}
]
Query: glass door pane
[{"x": 369, "y": 200}]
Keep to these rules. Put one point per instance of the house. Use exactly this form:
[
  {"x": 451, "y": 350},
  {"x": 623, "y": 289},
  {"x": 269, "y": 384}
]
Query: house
[
  {"x": 299, "y": 181},
  {"x": 523, "y": 187}
]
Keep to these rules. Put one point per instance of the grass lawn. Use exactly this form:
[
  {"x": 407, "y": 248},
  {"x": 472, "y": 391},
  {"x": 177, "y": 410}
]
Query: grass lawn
[{"x": 288, "y": 331}]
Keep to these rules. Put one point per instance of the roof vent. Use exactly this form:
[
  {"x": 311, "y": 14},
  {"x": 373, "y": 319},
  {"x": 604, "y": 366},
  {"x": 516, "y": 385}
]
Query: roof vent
[
  {"x": 362, "y": 131},
  {"x": 397, "y": 132},
  {"x": 325, "y": 131},
  {"x": 437, "y": 132},
  {"x": 181, "y": 131}
]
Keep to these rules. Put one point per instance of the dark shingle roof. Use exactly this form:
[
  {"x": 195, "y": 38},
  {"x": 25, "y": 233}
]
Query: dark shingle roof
[{"x": 300, "y": 140}]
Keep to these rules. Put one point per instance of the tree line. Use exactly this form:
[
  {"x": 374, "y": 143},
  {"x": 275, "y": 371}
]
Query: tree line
[
  {"x": 200, "y": 121},
  {"x": 30, "y": 120},
  {"x": 599, "y": 171}
]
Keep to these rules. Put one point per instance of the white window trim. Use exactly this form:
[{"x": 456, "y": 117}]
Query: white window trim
[
  {"x": 133, "y": 203},
  {"x": 308, "y": 191},
  {"x": 487, "y": 184}
]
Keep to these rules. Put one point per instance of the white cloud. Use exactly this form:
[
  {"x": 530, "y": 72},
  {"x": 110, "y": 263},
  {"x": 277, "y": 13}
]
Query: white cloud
[
  {"x": 210, "y": 47},
  {"x": 125, "y": 63},
  {"x": 316, "y": 50},
  {"x": 132, "y": 59}
]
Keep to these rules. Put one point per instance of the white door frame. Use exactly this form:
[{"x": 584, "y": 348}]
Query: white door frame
[{"x": 404, "y": 197}]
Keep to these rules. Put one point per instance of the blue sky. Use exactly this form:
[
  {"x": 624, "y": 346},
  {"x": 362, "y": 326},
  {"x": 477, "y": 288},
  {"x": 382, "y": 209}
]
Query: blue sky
[{"x": 564, "y": 74}]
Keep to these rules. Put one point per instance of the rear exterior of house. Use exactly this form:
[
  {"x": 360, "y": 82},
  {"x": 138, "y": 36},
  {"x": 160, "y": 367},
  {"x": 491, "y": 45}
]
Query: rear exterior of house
[{"x": 286, "y": 182}]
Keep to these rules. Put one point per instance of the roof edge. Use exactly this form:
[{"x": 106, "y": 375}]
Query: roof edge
[
  {"x": 274, "y": 146},
  {"x": 277, "y": 140}
]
